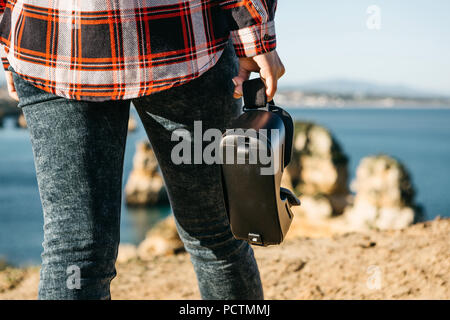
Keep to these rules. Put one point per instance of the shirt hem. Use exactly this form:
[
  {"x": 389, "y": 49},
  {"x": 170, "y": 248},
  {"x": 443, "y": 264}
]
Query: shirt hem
[{"x": 128, "y": 96}]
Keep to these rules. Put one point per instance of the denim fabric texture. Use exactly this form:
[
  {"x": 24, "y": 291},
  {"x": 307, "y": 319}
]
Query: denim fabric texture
[{"x": 78, "y": 149}]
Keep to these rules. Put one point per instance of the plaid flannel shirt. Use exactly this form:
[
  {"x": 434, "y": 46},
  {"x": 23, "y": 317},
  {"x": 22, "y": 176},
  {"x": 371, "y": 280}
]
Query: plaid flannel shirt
[{"x": 121, "y": 49}]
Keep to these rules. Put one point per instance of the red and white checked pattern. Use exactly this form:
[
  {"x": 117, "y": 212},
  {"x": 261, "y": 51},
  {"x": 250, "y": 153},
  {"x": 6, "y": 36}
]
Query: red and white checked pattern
[{"x": 122, "y": 49}]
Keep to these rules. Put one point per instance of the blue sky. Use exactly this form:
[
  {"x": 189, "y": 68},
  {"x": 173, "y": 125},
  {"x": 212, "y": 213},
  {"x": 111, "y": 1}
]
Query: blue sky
[{"x": 329, "y": 39}]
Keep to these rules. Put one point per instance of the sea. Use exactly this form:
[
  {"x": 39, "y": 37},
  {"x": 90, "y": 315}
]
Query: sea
[{"x": 419, "y": 137}]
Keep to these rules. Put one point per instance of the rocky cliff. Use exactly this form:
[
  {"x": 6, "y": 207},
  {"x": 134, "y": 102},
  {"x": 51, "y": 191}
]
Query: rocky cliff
[
  {"x": 412, "y": 263},
  {"x": 384, "y": 195},
  {"x": 145, "y": 185},
  {"x": 318, "y": 171}
]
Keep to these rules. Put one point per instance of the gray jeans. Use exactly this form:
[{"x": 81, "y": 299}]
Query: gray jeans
[{"x": 79, "y": 149}]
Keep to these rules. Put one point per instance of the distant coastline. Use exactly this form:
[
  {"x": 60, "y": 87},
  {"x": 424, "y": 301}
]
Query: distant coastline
[
  {"x": 305, "y": 99},
  {"x": 344, "y": 93}
]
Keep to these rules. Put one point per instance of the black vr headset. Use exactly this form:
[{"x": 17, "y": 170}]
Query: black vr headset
[{"x": 254, "y": 154}]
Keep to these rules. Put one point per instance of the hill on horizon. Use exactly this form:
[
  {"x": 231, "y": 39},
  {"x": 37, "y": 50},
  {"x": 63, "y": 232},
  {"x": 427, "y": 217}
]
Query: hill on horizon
[{"x": 363, "y": 88}]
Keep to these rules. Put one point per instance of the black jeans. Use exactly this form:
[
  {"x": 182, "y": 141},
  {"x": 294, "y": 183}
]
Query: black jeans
[{"x": 79, "y": 148}]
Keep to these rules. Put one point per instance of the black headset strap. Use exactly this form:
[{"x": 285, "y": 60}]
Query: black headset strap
[
  {"x": 254, "y": 94},
  {"x": 255, "y": 98}
]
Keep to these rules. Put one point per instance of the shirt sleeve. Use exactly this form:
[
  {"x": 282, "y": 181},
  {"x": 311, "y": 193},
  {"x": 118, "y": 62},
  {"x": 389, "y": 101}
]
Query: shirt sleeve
[
  {"x": 5, "y": 61},
  {"x": 252, "y": 25}
]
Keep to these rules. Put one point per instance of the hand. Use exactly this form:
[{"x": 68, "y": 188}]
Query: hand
[
  {"x": 11, "y": 87},
  {"x": 269, "y": 67}
]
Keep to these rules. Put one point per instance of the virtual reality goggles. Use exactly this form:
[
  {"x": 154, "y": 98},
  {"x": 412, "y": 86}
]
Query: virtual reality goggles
[{"x": 255, "y": 152}]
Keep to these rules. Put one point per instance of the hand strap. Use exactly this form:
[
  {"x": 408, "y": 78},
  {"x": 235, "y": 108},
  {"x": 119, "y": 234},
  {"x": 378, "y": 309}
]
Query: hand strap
[{"x": 254, "y": 94}]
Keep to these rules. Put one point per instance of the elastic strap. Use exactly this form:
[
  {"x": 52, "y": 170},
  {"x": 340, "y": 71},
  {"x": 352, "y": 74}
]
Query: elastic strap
[{"x": 254, "y": 94}]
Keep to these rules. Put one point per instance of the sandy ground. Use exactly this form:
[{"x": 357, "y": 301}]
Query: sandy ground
[{"x": 413, "y": 263}]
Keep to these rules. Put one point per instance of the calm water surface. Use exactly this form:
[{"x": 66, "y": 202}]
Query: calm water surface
[{"x": 418, "y": 137}]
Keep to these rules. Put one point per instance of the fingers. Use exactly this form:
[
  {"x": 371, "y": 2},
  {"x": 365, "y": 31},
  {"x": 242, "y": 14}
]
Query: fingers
[
  {"x": 243, "y": 75},
  {"x": 270, "y": 77},
  {"x": 11, "y": 87},
  {"x": 271, "y": 86},
  {"x": 276, "y": 72},
  {"x": 269, "y": 67}
]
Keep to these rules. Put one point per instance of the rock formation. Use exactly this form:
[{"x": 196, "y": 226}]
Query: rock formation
[
  {"x": 162, "y": 240},
  {"x": 145, "y": 185},
  {"x": 21, "y": 122},
  {"x": 384, "y": 195},
  {"x": 127, "y": 252},
  {"x": 318, "y": 171},
  {"x": 132, "y": 123}
]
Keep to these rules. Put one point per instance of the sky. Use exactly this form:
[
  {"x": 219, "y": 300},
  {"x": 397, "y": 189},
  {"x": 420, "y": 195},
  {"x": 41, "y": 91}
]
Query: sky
[
  {"x": 328, "y": 39},
  {"x": 320, "y": 40}
]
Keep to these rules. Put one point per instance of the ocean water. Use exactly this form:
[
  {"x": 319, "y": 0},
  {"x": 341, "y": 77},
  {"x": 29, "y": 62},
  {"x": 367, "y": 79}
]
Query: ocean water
[
  {"x": 418, "y": 137},
  {"x": 21, "y": 221}
]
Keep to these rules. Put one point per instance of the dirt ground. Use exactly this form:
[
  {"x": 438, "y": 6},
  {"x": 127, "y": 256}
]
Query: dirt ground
[{"x": 413, "y": 263}]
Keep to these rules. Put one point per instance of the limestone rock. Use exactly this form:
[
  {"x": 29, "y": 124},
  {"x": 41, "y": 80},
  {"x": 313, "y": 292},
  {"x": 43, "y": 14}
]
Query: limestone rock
[
  {"x": 126, "y": 253},
  {"x": 162, "y": 240},
  {"x": 21, "y": 122},
  {"x": 318, "y": 171},
  {"x": 286, "y": 180},
  {"x": 316, "y": 207},
  {"x": 384, "y": 195},
  {"x": 132, "y": 124},
  {"x": 321, "y": 175},
  {"x": 383, "y": 181},
  {"x": 145, "y": 185}
]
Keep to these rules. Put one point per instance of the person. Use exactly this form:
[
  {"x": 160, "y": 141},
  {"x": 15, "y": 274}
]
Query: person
[{"x": 76, "y": 66}]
